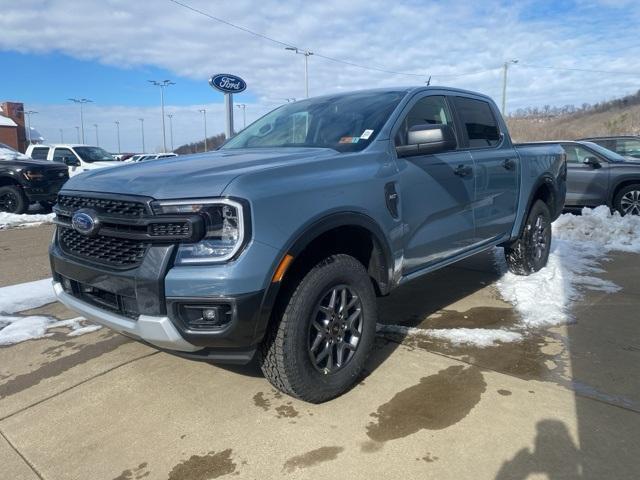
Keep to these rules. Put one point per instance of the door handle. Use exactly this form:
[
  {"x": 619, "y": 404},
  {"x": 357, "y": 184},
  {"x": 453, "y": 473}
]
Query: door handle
[
  {"x": 509, "y": 164},
  {"x": 463, "y": 170}
]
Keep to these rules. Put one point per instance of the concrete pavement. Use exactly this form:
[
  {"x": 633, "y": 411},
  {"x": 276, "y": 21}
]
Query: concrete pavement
[{"x": 564, "y": 403}]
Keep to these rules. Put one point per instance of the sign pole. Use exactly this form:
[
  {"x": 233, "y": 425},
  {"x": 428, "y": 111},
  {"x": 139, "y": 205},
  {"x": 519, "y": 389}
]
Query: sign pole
[{"x": 228, "y": 107}]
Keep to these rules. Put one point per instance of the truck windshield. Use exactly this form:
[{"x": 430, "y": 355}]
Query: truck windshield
[
  {"x": 347, "y": 123},
  {"x": 94, "y": 154}
]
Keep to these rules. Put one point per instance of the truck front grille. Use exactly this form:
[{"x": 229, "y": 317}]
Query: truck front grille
[
  {"x": 112, "y": 251},
  {"x": 123, "y": 208}
]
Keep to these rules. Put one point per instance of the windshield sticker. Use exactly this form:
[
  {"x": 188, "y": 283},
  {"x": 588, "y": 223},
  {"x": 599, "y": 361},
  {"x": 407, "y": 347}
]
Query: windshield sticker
[
  {"x": 366, "y": 134},
  {"x": 349, "y": 140}
]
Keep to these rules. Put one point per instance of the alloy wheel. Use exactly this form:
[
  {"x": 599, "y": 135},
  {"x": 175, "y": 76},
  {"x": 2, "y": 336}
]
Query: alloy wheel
[
  {"x": 541, "y": 237},
  {"x": 630, "y": 202},
  {"x": 8, "y": 202},
  {"x": 335, "y": 329}
]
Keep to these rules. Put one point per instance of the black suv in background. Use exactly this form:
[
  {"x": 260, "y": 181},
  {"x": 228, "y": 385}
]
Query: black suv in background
[
  {"x": 625, "y": 145},
  {"x": 599, "y": 176},
  {"x": 24, "y": 181}
]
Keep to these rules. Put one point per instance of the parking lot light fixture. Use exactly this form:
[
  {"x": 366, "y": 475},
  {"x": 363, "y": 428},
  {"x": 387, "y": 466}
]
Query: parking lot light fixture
[
  {"x": 142, "y": 132},
  {"x": 306, "y": 54},
  {"x": 504, "y": 84},
  {"x": 28, "y": 113},
  {"x": 78, "y": 133},
  {"x": 81, "y": 102},
  {"x": 61, "y": 136},
  {"x": 203, "y": 111},
  {"x": 162, "y": 84},
  {"x": 118, "y": 135},
  {"x": 243, "y": 106},
  {"x": 170, "y": 115}
]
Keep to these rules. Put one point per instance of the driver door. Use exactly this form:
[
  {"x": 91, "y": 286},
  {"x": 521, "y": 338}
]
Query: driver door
[
  {"x": 587, "y": 185},
  {"x": 436, "y": 191}
]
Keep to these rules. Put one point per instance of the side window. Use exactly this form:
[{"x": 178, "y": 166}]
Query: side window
[
  {"x": 39, "y": 153},
  {"x": 577, "y": 154},
  {"x": 479, "y": 122},
  {"x": 60, "y": 153},
  {"x": 628, "y": 147},
  {"x": 431, "y": 110},
  {"x": 610, "y": 144}
]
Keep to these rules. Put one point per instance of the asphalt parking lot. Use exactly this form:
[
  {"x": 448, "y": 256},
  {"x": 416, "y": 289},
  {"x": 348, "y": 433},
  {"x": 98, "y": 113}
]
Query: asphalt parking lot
[{"x": 562, "y": 404}]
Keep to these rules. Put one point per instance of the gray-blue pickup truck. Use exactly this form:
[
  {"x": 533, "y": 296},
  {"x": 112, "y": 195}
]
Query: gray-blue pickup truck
[{"x": 278, "y": 243}]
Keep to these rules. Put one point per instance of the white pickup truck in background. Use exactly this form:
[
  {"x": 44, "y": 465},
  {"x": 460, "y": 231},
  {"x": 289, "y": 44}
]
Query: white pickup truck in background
[{"x": 79, "y": 158}]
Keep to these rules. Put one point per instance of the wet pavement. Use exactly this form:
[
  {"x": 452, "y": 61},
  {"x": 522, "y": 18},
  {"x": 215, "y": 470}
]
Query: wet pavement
[{"x": 564, "y": 403}]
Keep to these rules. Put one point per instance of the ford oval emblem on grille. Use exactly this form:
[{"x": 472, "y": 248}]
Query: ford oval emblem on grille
[{"x": 85, "y": 222}]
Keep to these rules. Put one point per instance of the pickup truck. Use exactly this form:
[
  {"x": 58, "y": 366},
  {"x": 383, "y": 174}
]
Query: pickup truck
[
  {"x": 79, "y": 158},
  {"x": 278, "y": 243},
  {"x": 24, "y": 181}
]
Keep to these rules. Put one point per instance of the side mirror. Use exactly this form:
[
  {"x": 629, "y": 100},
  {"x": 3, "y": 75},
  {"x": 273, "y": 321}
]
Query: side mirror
[
  {"x": 71, "y": 161},
  {"x": 427, "y": 140},
  {"x": 592, "y": 161}
]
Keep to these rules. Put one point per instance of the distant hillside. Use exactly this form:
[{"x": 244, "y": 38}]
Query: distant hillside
[
  {"x": 197, "y": 147},
  {"x": 615, "y": 117}
]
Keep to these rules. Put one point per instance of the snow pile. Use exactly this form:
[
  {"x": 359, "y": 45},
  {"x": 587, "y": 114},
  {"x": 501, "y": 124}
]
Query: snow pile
[
  {"x": 25, "y": 296},
  {"x": 479, "y": 337},
  {"x": 545, "y": 298},
  {"x": 24, "y": 220},
  {"x": 579, "y": 246}
]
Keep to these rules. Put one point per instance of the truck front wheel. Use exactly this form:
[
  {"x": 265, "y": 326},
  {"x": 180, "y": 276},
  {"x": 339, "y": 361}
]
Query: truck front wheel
[
  {"x": 318, "y": 349},
  {"x": 530, "y": 252},
  {"x": 12, "y": 200}
]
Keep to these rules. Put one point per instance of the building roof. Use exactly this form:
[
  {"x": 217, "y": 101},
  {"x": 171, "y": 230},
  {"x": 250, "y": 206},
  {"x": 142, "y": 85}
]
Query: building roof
[{"x": 7, "y": 122}]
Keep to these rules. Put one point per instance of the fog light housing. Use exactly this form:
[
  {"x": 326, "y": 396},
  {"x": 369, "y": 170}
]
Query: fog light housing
[{"x": 205, "y": 317}]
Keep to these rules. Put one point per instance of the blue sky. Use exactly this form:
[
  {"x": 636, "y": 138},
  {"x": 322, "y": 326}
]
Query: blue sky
[{"x": 106, "y": 50}]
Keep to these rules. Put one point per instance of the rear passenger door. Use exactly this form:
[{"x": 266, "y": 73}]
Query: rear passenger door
[
  {"x": 436, "y": 191},
  {"x": 497, "y": 168},
  {"x": 587, "y": 185}
]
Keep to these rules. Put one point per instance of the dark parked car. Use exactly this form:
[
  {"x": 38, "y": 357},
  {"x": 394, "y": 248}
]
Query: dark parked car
[
  {"x": 625, "y": 145},
  {"x": 24, "y": 181},
  {"x": 598, "y": 176}
]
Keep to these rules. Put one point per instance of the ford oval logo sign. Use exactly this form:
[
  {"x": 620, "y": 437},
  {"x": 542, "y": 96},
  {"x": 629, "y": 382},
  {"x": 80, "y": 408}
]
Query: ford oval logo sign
[
  {"x": 228, "y": 83},
  {"x": 85, "y": 222}
]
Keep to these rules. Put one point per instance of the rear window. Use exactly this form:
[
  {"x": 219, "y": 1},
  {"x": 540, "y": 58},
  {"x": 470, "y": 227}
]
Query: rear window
[
  {"x": 478, "y": 121},
  {"x": 40, "y": 153}
]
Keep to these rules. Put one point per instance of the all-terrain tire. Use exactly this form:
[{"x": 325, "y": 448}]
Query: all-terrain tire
[
  {"x": 13, "y": 200},
  {"x": 530, "y": 252},
  {"x": 627, "y": 200},
  {"x": 286, "y": 355}
]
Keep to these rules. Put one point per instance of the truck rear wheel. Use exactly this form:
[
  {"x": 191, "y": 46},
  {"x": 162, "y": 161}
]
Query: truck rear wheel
[
  {"x": 530, "y": 252},
  {"x": 318, "y": 349},
  {"x": 12, "y": 200}
]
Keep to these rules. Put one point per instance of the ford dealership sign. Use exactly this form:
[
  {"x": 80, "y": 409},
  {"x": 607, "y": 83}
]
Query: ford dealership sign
[{"x": 227, "y": 83}]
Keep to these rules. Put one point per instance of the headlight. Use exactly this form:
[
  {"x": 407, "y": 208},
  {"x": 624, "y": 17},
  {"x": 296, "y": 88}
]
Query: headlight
[
  {"x": 31, "y": 175},
  {"x": 225, "y": 229}
]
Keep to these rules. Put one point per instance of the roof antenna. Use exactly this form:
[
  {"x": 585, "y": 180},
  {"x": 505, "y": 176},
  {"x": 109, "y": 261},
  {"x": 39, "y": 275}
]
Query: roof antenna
[{"x": 429, "y": 81}]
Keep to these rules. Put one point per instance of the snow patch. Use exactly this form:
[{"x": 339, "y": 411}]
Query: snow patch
[
  {"x": 9, "y": 220},
  {"x": 479, "y": 337},
  {"x": 25, "y": 296},
  {"x": 579, "y": 247}
]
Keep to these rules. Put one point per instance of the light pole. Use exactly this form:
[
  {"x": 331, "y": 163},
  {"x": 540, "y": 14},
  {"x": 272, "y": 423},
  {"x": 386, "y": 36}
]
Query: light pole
[
  {"x": 306, "y": 54},
  {"x": 170, "y": 115},
  {"x": 97, "y": 139},
  {"x": 203, "y": 111},
  {"x": 504, "y": 84},
  {"x": 78, "y": 133},
  {"x": 81, "y": 101},
  {"x": 142, "y": 131},
  {"x": 28, "y": 113},
  {"x": 118, "y": 134},
  {"x": 243, "y": 106},
  {"x": 162, "y": 84},
  {"x": 61, "y": 136}
]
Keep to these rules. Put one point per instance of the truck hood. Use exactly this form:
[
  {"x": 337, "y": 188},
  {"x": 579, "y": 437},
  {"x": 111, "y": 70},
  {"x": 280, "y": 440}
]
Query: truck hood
[
  {"x": 27, "y": 162},
  {"x": 190, "y": 176}
]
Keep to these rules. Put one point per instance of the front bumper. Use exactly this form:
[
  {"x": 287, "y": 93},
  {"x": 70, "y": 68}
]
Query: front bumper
[
  {"x": 44, "y": 192},
  {"x": 156, "y": 330}
]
